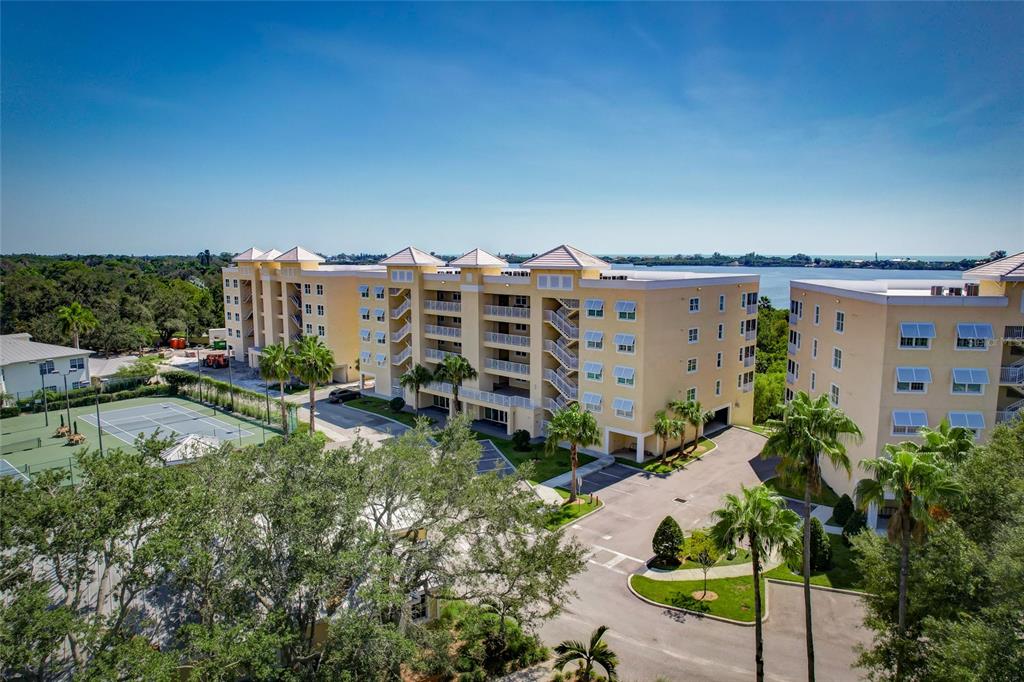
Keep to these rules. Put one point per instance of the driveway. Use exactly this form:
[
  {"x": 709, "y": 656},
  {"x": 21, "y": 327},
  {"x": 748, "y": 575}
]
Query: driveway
[{"x": 652, "y": 641}]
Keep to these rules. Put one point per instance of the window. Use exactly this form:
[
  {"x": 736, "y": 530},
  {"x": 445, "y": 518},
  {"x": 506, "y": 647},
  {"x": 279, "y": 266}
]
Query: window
[
  {"x": 840, "y": 322},
  {"x": 625, "y": 343},
  {"x": 226, "y": 280},
  {"x": 378, "y": 293},
  {"x": 238, "y": 318},
  {"x": 692, "y": 335},
  {"x": 306, "y": 288},
  {"x": 721, "y": 303},
  {"x": 520, "y": 301},
  {"x": 908, "y": 422},
  {"x": 381, "y": 359},
  {"x": 227, "y": 316},
  {"x": 914, "y": 335},
  {"x": 833, "y": 395},
  {"x": 364, "y": 357},
  {"x": 320, "y": 310},
  {"x": 625, "y": 376},
  {"x": 592, "y": 402},
  {"x": 814, "y": 380},
  {"x": 320, "y": 330},
  {"x": 718, "y": 360},
  {"x": 364, "y": 334},
  {"x": 788, "y": 395},
  {"x": 796, "y": 308},
  {"x": 691, "y": 393},
  {"x": 691, "y": 365},
  {"x": 309, "y": 308},
  {"x": 748, "y": 298},
  {"x": 745, "y": 379},
  {"x": 520, "y": 327},
  {"x": 721, "y": 331},
  {"x": 794, "y": 339},
  {"x": 837, "y": 359},
  {"x": 593, "y": 339},
  {"x": 46, "y": 367},
  {"x": 594, "y": 371},
  {"x": 319, "y": 289},
  {"x": 695, "y": 305},
  {"x": 718, "y": 387},
  {"x": 309, "y": 329},
  {"x": 972, "y": 421},
  {"x": 793, "y": 368},
  {"x": 364, "y": 291},
  {"x": 814, "y": 348},
  {"x": 235, "y": 283},
  {"x": 817, "y": 315},
  {"x": 626, "y": 310},
  {"x": 913, "y": 379},
  {"x": 382, "y": 338},
  {"x": 236, "y": 300},
  {"x": 79, "y": 384},
  {"x": 401, "y": 275},
  {"x": 77, "y": 363},
  {"x": 364, "y": 313},
  {"x": 594, "y": 307},
  {"x": 970, "y": 380},
  {"x": 562, "y": 282},
  {"x": 623, "y": 408},
  {"x": 493, "y": 414},
  {"x": 379, "y": 314},
  {"x": 227, "y": 299},
  {"x": 973, "y": 336}
]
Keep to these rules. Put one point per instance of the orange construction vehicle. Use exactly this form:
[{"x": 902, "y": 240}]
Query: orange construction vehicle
[{"x": 216, "y": 360}]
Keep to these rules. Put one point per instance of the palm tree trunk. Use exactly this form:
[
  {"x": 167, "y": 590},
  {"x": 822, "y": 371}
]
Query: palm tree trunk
[
  {"x": 808, "y": 627},
  {"x": 312, "y": 407},
  {"x": 758, "y": 635},
  {"x": 573, "y": 462},
  {"x": 416, "y": 397},
  {"x": 453, "y": 407},
  {"x": 74, "y": 336},
  {"x": 284, "y": 410},
  {"x": 904, "y": 571}
]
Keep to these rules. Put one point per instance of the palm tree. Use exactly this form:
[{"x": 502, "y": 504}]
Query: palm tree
[
  {"x": 693, "y": 413},
  {"x": 313, "y": 363},
  {"x": 579, "y": 428},
  {"x": 951, "y": 443},
  {"x": 596, "y": 652},
  {"x": 454, "y": 369},
  {"x": 808, "y": 429},
  {"x": 415, "y": 379},
  {"x": 665, "y": 428},
  {"x": 920, "y": 486},
  {"x": 75, "y": 319},
  {"x": 759, "y": 517},
  {"x": 275, "y": 365}
]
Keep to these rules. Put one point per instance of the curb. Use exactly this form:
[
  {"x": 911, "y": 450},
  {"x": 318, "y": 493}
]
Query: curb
[
  {"x": 749, "y": 430},
  {"x": 374, "y": 414},
  {"x": 852, "y": 593},
  {"x": 685, "y": 466},
  {"x": 723, "y": 619}
]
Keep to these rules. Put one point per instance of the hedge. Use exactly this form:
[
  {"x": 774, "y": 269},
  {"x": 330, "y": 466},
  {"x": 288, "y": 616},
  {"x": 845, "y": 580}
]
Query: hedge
[{"x": 246, "y": 402}]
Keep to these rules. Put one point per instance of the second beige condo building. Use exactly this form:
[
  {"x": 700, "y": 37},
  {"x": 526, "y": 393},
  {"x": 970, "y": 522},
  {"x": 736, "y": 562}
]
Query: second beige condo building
[{"x": 560, "y": 328}]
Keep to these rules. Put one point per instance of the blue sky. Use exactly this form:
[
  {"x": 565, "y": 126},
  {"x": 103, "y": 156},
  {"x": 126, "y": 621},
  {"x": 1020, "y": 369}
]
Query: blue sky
[{"x": 620, "y": 128}]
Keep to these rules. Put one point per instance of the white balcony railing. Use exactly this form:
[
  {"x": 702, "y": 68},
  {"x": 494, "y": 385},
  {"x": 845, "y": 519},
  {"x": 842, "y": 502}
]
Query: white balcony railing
[
  {"x": 1015, "y": 332},
  {"x": 506, "y": 366},
  {"x": 752, "y": 309},
  {"x": 749, "y": 361},
  {"x": 506, "y": 339},
  {"x": 401, "y": 309},
  {"x": 747, "y": 387},
  {"x": 562, "y": 354},
  {"x": 566, "y": 328},
  {"x": 401, "y": 333},
  {"x": 435, "y": 355},
  {"x": 1014, "y": 375},
  {"x": 476, "y": 395},
  {"x": 566, "y": 388},
  {"x": 790, "y": 378},
  {"x": 443, "y": 306},
  {"x": 296, "y": 320},
  {"x": 447, "y": 332},
  {"x": 402, "y": 356},
  {"x": 506, "y": 311},
  {"x": 793, "y": 348},
  {"x": 793, "y": 318},
  {"x": 750, "y": 334}
]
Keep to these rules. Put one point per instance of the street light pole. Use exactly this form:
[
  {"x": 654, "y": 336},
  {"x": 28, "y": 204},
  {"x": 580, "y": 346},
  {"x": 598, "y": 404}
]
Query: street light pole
[
  {"x": 231, "y": 382},
  {"x": 42, "y": 384},
  {"x": 98, "y": 385},
  {"x": 67, "y": 398}
]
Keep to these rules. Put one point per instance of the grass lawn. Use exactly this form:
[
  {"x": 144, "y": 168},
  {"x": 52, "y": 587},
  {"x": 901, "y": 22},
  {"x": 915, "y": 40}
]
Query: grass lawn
[
  {"x": 54, "y": 453},
  {"x": 735, "y": 595},
  {"x": 545, "y": 465},
  {"x": 742, "y": 557},
  {"x": 379, "y": 406},
  {"x": 843, "y": 574},
  {"x": 761, "y": 429},
  {"x": 825, "y": 496},
  {"x": 660, "y": 466},
  {"x": 570, "y": 512}
]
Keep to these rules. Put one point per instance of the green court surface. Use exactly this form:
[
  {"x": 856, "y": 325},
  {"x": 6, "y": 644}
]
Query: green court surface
[{"x": 30, "y": 447}]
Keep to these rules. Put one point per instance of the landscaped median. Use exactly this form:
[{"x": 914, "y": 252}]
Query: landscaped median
[
  {"x": 675, "y": 462},
  {"x": 735, "y": 601},
  {"x": 545, "y": 465},
  {"x": 568, "y": 513},
  {"x": 381, "y": 407},
  {"x": 843, "y": 575}
]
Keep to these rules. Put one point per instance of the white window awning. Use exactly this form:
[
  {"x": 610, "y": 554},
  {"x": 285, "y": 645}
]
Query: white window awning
[
  {"x": 593, "y": 335},
  {"x": 378, "y": 291},
  {"x": 970, "y": 375},
  {"x": 381, "y": 336},
  {"x": 593, "y": 367},
  {"x": 624, "y": 372},
  {"x": 365, "y": 356},
  {"x": 592, "y": 399},
  {"x": 364, "y": 288},
  {"x": 625, "y": 306},
  {"x": 593, "y": 304},
  {"x": 364, "y": 334},
  {"x": 921, "y": 375},
  {"x": 364, "y": 311},
  {"x": 910, "y": 418},
  {"x": 967, "y": 420},
  {"x": 381, "y": 358},
  {"x": 622, "y": 404},
  {"x": 975, "y": 331},
  {"x": 379, "y": 312},
  {"x": 917, "y": 330},
  {"x": 625, "y": 339}
]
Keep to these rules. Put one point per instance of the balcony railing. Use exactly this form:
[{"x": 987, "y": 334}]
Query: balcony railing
[
  {"x": 790, "y": 378},
  {"x": 506, "y": 366},
  {"x": 448, "y": 332},
  {"x": 1014, "y": 333},
  {"x": 1014, "y": 375},
  {"x": 752, "y": 309},
  {"x": 401, "y": 309},
  {"x": 750, "y": 334},
  {"x": 562, "y": 354},
  {"x": 567, "y": 329},
  {"x": 506, "y": 339},
  {"x": 564, "y": 387},
  {"x": 506, "y": 311},
  {"x": 793, "y": 318},
  {"x": 443, "y": 306},
  {"x": 555, "y": 404},
  {"x": 476, "y": 395},
  {"x": 793, "y": 348},
  {"x": 749, "y": 361},
  {"x": 402, "y": 357},
  {"x": 747, "y": 387},
  {"x": 436, "y": 355},
  {"x": 401, "y": 333}
]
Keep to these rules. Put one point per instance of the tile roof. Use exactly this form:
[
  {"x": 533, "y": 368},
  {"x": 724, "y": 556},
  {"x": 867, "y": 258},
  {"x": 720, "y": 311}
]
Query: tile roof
[
  {"x": 297, "y": 254},
  {"x": 410, "y": 255},
  {"x": 565, "y": 257},
  {"x": 247, "y": 256},
  {"x": 16, "y": 348},
  {"x": 1010, "y": 268},
  {"x": 477, "y": 257}
]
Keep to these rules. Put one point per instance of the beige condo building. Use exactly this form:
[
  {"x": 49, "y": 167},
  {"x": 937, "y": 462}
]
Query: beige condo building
[
  {"x": 896, "y": 355},
  {"x": 560, "y": 328}
]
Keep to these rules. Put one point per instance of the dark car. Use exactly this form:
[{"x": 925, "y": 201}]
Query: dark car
[{"x": 342, "y": 395}]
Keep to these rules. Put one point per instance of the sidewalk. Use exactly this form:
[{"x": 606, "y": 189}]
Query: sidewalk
[
  {"x": 732, "y": 571},
  {"x": 563, "y": 480}
]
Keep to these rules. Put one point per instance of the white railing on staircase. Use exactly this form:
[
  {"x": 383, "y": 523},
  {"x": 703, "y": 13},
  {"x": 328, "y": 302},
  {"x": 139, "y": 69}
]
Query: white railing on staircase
[
  {"x": 402, "y": 356},
  {"x": 401, "y": 333},
  {"x": 401, "y": 309},
  {"x": 1013, "y": 374},
  {"x": 570, "y": 303},
  {"x": 565, "y": 356},
  {"x": 566, "y": 328},
  {"x": 566, "y": 388}
]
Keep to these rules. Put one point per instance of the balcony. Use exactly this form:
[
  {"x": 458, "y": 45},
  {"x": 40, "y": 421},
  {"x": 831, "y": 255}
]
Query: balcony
[
  {"x": 752, "y": 309},
  {"x": 750, "y": 335},
  {"x": 506, "y": 311},
  {"x": 793, "y": 348},
  {"x": 1013, "y": 333},
  {"x": 790, "y": 378},
  {"x": 793, "y": 318},
  {"x": 402, "y": 309},
  {"x": 435, "y": 355},
  {"x": 497, "y": 339},
  {"x": 506, "y": 367},
  {"x": 566, "y": 387},
  {"x": 562, "y": 354},
  {"x": 401, "y": 333},
  {"x": 404, "y": 355},
  {"x": 449, "y": 307},
  {"x": 477, "y": 396},
  {"x": 564, "y": 326},
  {"x": 747, "y": 387},
  {"x": 445, "y": 332},
  {"x": 750, "y": 361},
  {"x": 1012, "y": 375},
  {"x": 1010, "y": 412}
]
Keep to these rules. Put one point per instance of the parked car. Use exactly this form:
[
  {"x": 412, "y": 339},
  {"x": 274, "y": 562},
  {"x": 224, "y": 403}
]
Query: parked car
[{"x": 342, "y": 395}]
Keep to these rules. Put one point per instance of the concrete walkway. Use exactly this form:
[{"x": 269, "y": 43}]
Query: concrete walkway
[
  {"x": 564, "y": 480},
  {"x": 547, "y": 494},
  {"x": 730, "y": 571}
]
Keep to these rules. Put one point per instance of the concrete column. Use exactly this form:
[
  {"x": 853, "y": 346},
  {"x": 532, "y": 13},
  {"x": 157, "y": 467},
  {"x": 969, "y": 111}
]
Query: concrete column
[
  {"x": 639, "y": 448},
  {"x": 872, "y": 516}
]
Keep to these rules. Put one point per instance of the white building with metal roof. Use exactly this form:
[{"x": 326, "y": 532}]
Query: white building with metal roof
[{"x": 27, "y": 365}]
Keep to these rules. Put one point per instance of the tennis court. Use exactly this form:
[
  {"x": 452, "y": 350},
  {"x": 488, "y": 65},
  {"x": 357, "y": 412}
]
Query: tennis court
[{"x": 171, "y": 419}]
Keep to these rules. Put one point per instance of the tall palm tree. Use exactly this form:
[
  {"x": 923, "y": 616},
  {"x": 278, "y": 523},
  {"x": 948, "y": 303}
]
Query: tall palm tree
[
  {"x": 275, "y": 365},
  {"x": 313, "y": 363},
  {"x": 809, "y": 428},
  {"x": 454, "y": 369},
  {"x": 415, "y": 379},
  {"x": 951, "y": 443},
  {"x": 760, "y": 518},
  {"x": 693, "y": 413},
  {"x": 665, "y": 428},
  {"x": 75, "y": 319},
  {"x": 920, "y": 485},
  {"x": 596, "y": 652},
  {"x": 579, "y": 428}
]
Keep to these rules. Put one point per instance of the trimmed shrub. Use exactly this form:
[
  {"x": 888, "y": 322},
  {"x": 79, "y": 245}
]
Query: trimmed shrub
[
  {"x": 12, "y": 411},
  {"x": 397, "y": 404},
  {"x": 843, "y": 510},
  {"x": 668, "y": 541},
  {"x": 857, "y": 522},
  {"x": 521, "y": 440},
  {"x": 821, "y": 549}
]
